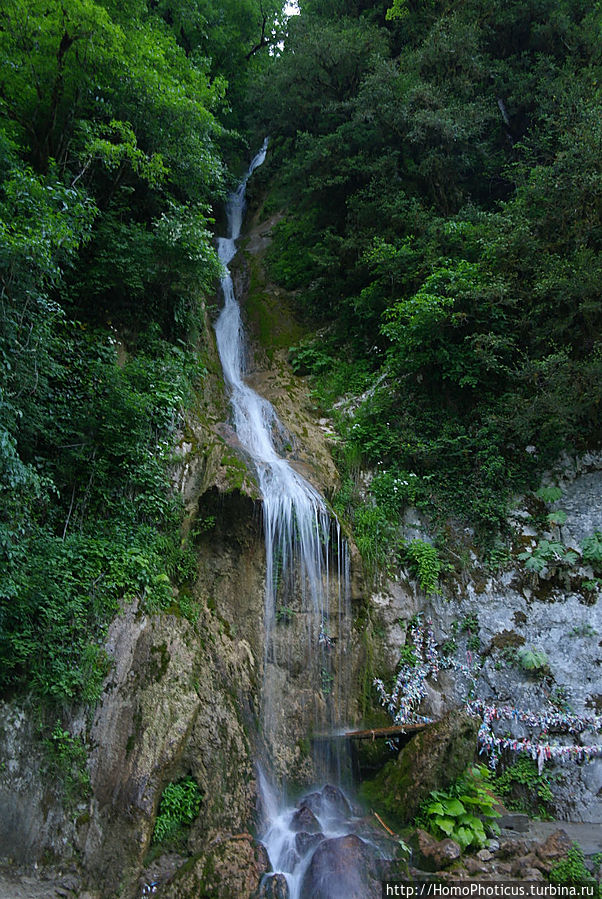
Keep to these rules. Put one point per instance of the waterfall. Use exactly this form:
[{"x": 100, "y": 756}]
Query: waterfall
[{"x": 302, "y": 541}]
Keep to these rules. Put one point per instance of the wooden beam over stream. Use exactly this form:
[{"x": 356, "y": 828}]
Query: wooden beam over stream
[
  {"x": 360, "y": 766},
  {"x": 374, "y": 733}
]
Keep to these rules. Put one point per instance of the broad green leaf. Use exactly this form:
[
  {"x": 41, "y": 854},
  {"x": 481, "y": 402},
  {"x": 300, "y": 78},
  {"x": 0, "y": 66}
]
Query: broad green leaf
[
  {"x": 453, "y": 807},
  {"x": 447, "y": 825}
]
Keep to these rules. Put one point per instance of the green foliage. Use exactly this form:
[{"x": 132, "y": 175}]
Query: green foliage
[
  {"x": 547, "y": 553},
  {"x": 310, "y": 357},
  {"x": 326, "y": 681},
  {"x": 66, "y": 759},
  {"x": 373, "y": 535},
  {"x": 573, "y": 871},
  {"x": 592, "y": 550},
  {"x": 284, "y": 614},
  {"x": 425, "y": 565},
  {"x": 394, "y": 490},
  {"x": 60, "y": 596},
  {"x": 180, "y": 804},
  {"x": 583, "y": 630},
  {"x": 549, "y": 494},
  {"x": 441, "y": 229},
  {"x": 109, "y": 167},
  {"x": 531, "y": 659},
  {"x": 465, "y": 812},
  {"x": 470, "y": 623},
  {"x": 523, "y": 789},
  {"x": 407, "y": 656}
]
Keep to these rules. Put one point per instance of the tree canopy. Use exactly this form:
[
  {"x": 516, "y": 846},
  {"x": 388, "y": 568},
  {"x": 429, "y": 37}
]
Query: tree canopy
[
  {"x": 440, "y": 170},
  {"x": 115, "y": 120}
]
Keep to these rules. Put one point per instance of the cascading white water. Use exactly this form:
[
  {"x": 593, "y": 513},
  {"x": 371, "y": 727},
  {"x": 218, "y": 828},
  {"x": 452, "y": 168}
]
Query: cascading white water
[
  {"x": 296, "y": 520},
  {"x": 297, "y": 524}
]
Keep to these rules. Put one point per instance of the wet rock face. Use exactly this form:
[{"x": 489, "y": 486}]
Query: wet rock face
[
  {"x": 551, "y": 612},
  {"x": 334, "y": 801},
  {"x": 305, "y": 842},
  {"x": 180, "y": 699},
  {"x": 33, "y": 819},
  {"x": 341, "y": 868},
  {"x": 273, "y": 886},
  {"x": 305, "y": 820},
  {"x": 329, "y": 801}
]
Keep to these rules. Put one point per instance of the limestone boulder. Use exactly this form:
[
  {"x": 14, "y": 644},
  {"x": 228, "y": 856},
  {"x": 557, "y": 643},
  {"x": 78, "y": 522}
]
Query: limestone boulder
[
  {"x": 273, "y": 886},
  {"x": 233, "y": 866}
]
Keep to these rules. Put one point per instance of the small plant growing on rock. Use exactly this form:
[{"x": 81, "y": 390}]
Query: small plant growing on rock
[
  {"x": 66, "y": 759},
  {"x": 284, "y": 614},
  {"x": 407, "y": 656},
  {"x": 592, "y": 549},
  {"x": 326, "y": 679},
  {"x": 532, "y": 660},
  {"x": 424, "y": 564},
  {"x": 180, "y": 804},
  {"x": 572, "y": 871},
  {"x": 583, "y": 630},
  {"x": 549, "y": 494},
  {"x": 464, "y": 812},
  {"x": 523, "y": 789},
  {"x": 547, "y": 553}
]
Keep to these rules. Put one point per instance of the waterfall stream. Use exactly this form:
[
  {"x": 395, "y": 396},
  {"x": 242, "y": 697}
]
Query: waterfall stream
[{"x": 303, "y": 543}]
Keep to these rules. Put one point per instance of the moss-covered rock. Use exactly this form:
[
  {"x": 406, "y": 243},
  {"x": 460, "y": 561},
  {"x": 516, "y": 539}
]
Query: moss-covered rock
[
  {"x": 432, "y": 760},
  {"x": 232, "y": 867}
]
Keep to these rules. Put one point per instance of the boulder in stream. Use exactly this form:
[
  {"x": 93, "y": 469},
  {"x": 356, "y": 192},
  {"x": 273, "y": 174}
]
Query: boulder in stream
[
  {"x": 273, "y": 886},
  {"x": 342, "y": 868},
  {"x": 304, "y": 842},
  {"x": 334, "y": 800},
  {"x": 330, "y": 801},
  {"x": 304, "y": 819},
  {"x": 432, "y": 854}
]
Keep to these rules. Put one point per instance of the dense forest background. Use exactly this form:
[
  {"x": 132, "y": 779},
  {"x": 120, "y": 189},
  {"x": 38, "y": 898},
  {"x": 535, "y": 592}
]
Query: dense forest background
[
  {"x": 438, "y": 165},
  {"x": 116, "y": 120}
]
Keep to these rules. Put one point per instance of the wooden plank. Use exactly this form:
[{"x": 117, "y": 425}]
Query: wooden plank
[
  {"x": 374, "y": 733},
  {"x": 380, "y": 732}
]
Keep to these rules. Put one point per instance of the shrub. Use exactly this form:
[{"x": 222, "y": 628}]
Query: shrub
[
  {"x": 373, "y": 534},
  {"x": 592, "y": 549},
  {"x": 549, "y": 494},
  {"x": 424, "y": 564},
  {"x": 66, "y": 759},
  {"x": 531, "y": 659},
  {"x": 523, "y": 788},
  {"x": 572, "y": 871},
  {"x": 464, "y": 812},
  {"x": 180, "y": 804},
  {"x": 547, "y": 552}
]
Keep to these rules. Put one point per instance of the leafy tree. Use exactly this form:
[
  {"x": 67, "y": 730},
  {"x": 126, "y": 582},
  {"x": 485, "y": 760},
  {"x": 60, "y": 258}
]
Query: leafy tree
[
  {"x": 442, "y": 228},
  {"x": 109, "y": 166}
]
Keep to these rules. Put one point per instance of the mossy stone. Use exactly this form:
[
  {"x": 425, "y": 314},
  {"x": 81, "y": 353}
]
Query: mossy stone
[{"x": 432, "y": 760}]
